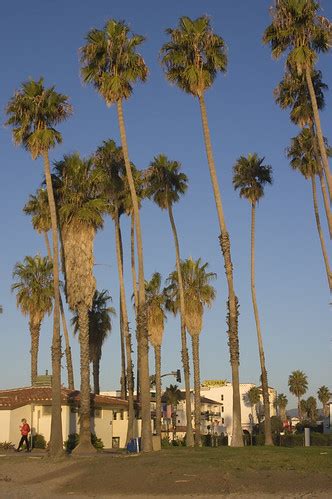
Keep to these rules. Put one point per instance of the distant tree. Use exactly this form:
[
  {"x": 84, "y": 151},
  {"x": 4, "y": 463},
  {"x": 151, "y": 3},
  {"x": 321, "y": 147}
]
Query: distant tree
[
  {"x": 324, "y": 396},
  {"x": 298, "y": 385},
  {"x": 34, "y": 296},
  {"x": 311, "y": 406},
  {"x": 253, "y": 396},
  {"x": 281, "y": 404},
  {"x": 173, "y": 396}
]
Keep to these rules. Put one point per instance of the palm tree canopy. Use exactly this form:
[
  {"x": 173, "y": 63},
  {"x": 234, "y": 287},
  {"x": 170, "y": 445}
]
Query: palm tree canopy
[
  {"x": 78, "y": 186},
  {"x": 298, "y": 383},
  {"x": 164, "y": 182},
  {"x": 281, "y": 401},
  {"x": 297, "y": 28},
  {"x": 194, "y": 55},
  {"x": 109, "y": 159},
  {"x": 250, "y": 176},
  {"x": 34, "y": 287},
  {"x": 33, "y": 111},
  {"x": 198, "y": 292},
  {"x": 302, "y": 153},
  {"x": 100, "y": 322},
  {"x": 173, "y": 395},
  {"x": 38, "y": 208},
  {"x": 323, "y": 394},
  {"x": 253, "y": 395},
  {"x": 155, "y": 302},
  {"x": 110, "y": 61},
  {"x": 293, "y": 92}
]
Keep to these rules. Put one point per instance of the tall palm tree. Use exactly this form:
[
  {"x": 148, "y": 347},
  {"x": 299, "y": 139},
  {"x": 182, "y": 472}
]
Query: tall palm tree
[
  {"x": 155, "y": 301},
  {"x": 110, "y": 62},
  {"x": 109, "y": 158},
  {"x": 164, "y": 183},
  {"x": 198, "y": 293},
  {"x": 298, "y": 385},
  {"x": 38, "y": 208},
  {"x": 302, "y": 158},
  {"x": 33, "y": 112},
  {"x": 250, "y": 177},
  {"x": 34, "y": 296},
  {"x": 192, "y": 58},
  {"x": 298, "y": 30},
  {"x": 81, "y": 208},
  {"x": 293, "y": 92},
  {"x": 100, "y": 326},
  {"x": 324, "y": 396},
  {"x": 173, "y": 396},
  {"x": 281, "y": 404}
]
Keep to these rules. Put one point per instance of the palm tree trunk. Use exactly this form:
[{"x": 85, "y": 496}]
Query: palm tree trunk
[
  {"x": 56, "y": 440},
  {"x": 319, "y": 162},
  {"x": 157, "y": 356},
  {"x": 319, "y": 132},
  {"x": 320, "y": 233},
  {"x": 197, "y": 390},
  {"x": 85, "y": 430},
  {"x": 34, "y": 333},
  {"x": 265, "y": 385},
  {"x": 123, "y": 380},
  {"x": 69, "y": 361},
  {"x": 134, "y": 278},
  {"x": 299, "y": 412},
  {"x": 232, "y": 303},
  {"x": 95, "y": 373},
  {"x": 127, "y": 335},
  {"x": 184, "y": 348},
  {"x": 141, "y": 313}
]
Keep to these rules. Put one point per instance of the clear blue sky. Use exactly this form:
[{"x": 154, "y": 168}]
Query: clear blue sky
[{"x": 43, "y": 38}]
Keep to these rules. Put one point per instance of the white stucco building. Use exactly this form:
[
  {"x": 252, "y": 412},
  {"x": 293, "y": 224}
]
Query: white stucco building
[{"x": 108, "y": 419}]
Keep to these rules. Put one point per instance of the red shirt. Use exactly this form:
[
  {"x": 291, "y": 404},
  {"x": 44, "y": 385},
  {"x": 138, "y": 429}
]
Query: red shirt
[{"x": 25, "y": 429}]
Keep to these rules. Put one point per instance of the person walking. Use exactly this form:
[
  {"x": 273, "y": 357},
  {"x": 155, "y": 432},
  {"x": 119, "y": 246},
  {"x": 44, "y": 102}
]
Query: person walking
[{"x": 25, "y": 430}]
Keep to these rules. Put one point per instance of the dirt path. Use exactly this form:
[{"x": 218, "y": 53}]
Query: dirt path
[{"x": 162, "y": 474}]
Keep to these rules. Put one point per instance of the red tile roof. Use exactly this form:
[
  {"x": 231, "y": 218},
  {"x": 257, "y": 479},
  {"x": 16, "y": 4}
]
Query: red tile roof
[{"x": 18, "y": 397}]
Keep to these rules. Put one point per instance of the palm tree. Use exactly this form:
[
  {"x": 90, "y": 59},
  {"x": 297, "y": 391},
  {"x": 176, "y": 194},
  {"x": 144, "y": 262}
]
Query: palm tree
[
  {"x": 281, "y": 403},
  {"x": 112, "y": 65},
  {"x": 81, "y": 208},
  {"x": 100, "y": 326},
  {"x": 164, "y": 183},
  {"x": 302, "y": 158},
  {"x": 38, "y": 208},
  {"x": 109, "y": 158},
  {"x": 192, "y": 58},
  {"x": 34, "y": 296},
  {"x": 324, "y": 397},
  {"x": 253, "y": 396},
  {"x": 250, "y": 177},
  {"x": 173, "y": 396},
  {"x": 297, "y": 28},
  {"x": 198, "y": 293},
  {"x": 155, "y": 301},
  {"x": 298, "y": 385},
  {"x": 293, "y": 92},
  {"x": 33, "y": 112}
]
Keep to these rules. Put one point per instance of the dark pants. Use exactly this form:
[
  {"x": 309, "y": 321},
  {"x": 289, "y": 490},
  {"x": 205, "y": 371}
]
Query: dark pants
[{"x": 24, "y": 439}]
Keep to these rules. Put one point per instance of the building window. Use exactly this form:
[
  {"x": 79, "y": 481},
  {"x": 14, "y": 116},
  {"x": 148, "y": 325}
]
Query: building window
[
  {"x": 222, "y": 408},
  {"x": 47, "y": 410},
  {"x": 222, "y": 398},
  {"x": 222, "y": 421}
]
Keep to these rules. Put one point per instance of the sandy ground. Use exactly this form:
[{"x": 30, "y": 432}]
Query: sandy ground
[{"x": 153, "y": 475}]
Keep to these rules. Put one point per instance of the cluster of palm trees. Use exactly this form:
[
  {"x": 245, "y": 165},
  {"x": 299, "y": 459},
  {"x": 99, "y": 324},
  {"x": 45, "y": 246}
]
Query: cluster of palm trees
[
  {"x": 307, "y": 409},
  {"x": 79, "y": 192}
]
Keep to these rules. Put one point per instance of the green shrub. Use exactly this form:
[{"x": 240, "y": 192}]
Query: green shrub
[
  {"x": 73, "y": 441},
  {"x": 38, "y": 441},
  {"x": 6, "y": 446},
  {"x": 320, "y": 439},
  {"x": 165, "y": 443},
  {"x": 292, "y": 440}
]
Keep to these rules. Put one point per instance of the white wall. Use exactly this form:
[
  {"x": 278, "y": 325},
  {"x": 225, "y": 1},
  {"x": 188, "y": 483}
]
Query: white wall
[
  {"x": 15, "y": 421},
  {"x": 5, "y": 426}
]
